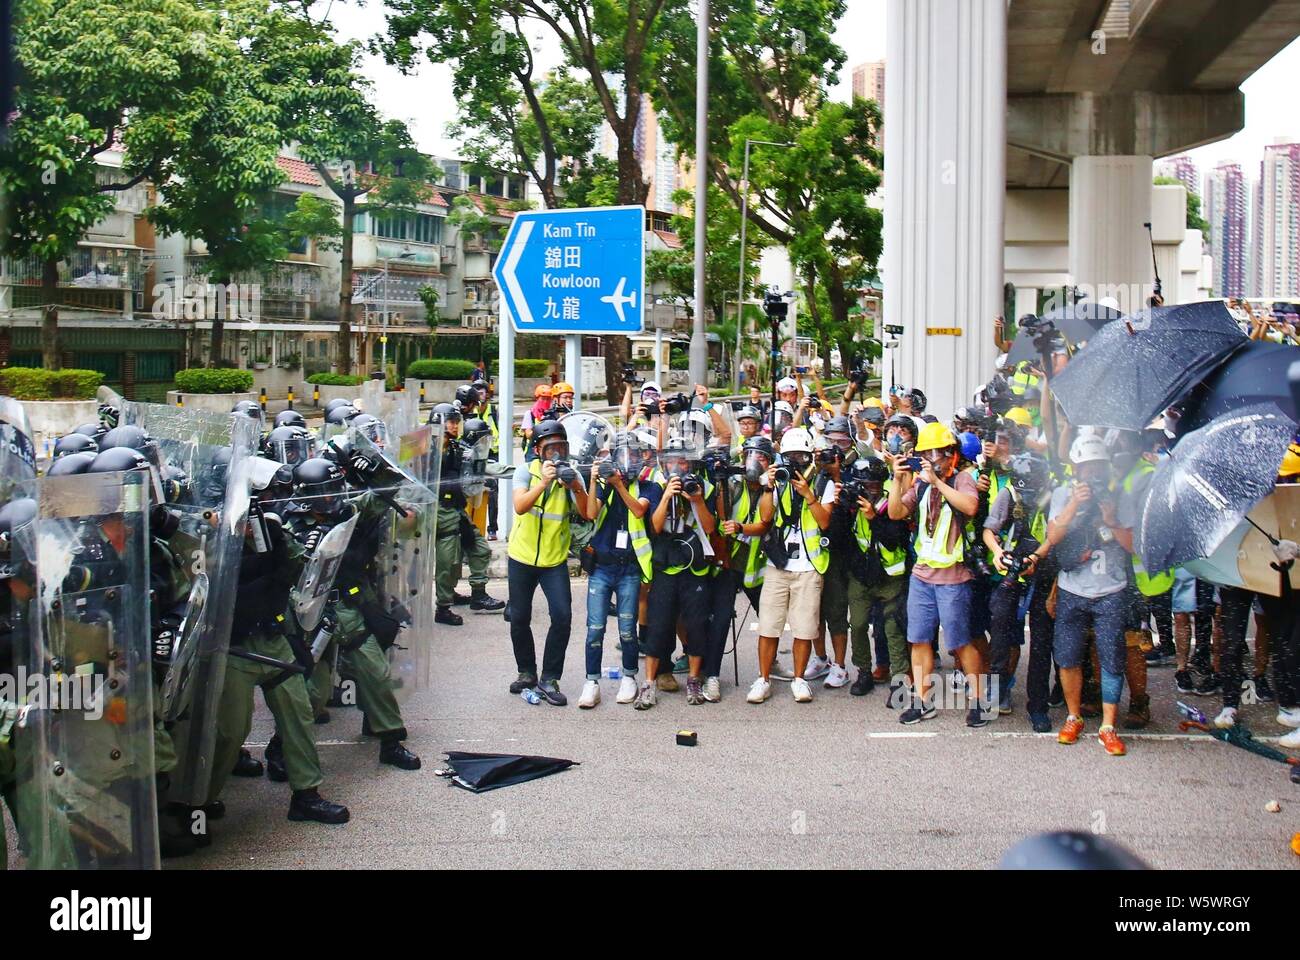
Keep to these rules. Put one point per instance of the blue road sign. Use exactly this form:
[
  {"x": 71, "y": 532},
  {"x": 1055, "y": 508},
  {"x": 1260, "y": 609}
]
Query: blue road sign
[{"x": 575, "y": 271}]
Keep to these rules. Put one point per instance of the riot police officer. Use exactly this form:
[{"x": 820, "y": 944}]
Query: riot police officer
[{"x": 462, "y": 483}]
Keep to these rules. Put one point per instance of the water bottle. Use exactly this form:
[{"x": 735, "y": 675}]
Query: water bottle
[
  {"x": 614, "y": 672},
  {"x": 529, "y": 695}
]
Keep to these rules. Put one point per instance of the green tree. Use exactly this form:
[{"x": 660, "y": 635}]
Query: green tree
[{"x": 136, "y": 76}]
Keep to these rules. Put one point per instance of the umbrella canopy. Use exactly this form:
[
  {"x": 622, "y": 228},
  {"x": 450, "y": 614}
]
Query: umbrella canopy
[
  {"x": 1132, "y": 370},
  {"x": 487, "y": 771},
  {"x": 1077, "y": 321},
  {"x": 1254, "y": 373},
  {"x": 1213, "y": 478}
]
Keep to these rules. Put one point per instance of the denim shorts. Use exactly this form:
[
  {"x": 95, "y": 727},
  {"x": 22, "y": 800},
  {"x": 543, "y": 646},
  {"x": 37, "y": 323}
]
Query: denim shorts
[
  {"x": 931, "y": 605},
  {"x": 1184, "y": 593},
  {"x": 1105, "y": 616}
]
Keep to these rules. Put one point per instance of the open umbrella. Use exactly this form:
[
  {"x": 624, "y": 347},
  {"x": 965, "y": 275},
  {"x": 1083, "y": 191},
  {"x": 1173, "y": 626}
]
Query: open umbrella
[
  {"x": 1254, "y": 373},
  {"x": 487, "y": 771},
  {"x": 1077, "y": 321},
  {"x": 1131, "y": 370},
  {"x": 1212, "y": 479}
]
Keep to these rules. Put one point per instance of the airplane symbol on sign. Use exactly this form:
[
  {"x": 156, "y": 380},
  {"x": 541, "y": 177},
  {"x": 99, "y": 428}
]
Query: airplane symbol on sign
[{"x": 616, "y": 299}]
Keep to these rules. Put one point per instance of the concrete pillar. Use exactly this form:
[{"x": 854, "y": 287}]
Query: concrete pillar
[
  {"x": 1110, "y": 254},
  {"x": 945, "y": 182}
]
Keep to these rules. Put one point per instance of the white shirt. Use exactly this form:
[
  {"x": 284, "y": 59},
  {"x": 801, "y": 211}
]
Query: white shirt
[{"x": 801, "y": 563}]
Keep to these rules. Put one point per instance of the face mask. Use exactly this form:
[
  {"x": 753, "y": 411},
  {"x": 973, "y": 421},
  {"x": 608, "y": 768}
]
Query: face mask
[{"x": 895, "y": 443}]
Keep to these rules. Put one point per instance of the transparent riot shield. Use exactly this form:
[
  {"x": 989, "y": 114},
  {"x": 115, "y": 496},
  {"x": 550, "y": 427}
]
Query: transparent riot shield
[
  {"x": 196, "y": 453},
  {"x": 590, "y": 437},
  {"x": 404, "y": 510},
  {"x": 89, "y": 730},
  {"x": 17, "y": 451}
]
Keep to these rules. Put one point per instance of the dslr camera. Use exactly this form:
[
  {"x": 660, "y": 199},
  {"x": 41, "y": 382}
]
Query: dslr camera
[
  {"x": 629, "y": 375},
  {"x": 565, "y": 471},
  {"x": 829, "y": 456},
  {"x": 675, "y": 403},
  {"x": 605, "y": 469},
  {"x": 859, "y": 373},
  {"x": 692, "y": 485}
]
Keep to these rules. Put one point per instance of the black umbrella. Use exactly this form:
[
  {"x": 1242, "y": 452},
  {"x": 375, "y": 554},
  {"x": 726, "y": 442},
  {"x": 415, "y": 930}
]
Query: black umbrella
[
  {"x": 1077, "y": 321},
  {"x": 1131, "y": 370},
  {"x": 1212, "y": 479},
  {"x": 1255, "y": 373},
  {"x": 487, "y": 771}
]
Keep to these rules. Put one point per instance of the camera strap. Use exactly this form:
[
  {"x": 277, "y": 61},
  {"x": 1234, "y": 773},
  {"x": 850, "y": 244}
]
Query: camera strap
[{"x": 698, "y": 525}]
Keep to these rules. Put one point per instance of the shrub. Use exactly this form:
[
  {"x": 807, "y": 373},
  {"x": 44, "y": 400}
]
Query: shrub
[
  {"x": 36, "y": 383},
  {"x": 526, "y": 368},
  {"x": 440, "y": 369},
  {"x": 204, "y": 380},
  {"x": 335, "y": 379}
]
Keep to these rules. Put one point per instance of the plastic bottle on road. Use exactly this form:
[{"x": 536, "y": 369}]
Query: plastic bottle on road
[
  {"x": 529, "y": 695},
  {"x": 614, "y": 673}
]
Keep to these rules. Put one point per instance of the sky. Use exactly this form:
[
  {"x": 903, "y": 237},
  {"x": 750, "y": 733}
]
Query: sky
[{"x": 424, "y": 101}]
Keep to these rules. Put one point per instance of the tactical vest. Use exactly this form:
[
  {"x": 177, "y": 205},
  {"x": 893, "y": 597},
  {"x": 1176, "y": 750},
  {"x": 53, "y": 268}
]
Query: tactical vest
[
  {"x": 747, "y": 555},
  {"x": 894, "y": 561},
  {"x": 540, "y": 538},
  {"x": 707, "y": 570}
]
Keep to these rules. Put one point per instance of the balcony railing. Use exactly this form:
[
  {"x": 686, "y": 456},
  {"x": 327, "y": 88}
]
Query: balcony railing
[{"x": 85, "y": 268}]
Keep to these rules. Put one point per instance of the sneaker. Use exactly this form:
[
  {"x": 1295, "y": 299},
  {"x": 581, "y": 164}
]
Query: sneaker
[
  {"x": 667, "y": 683},
  {"x": 759, "y": 691},
  {"x": 523, "y": 682},
  {"x": 802, "y": 692},
  {"x": 681, "y": 664},
  {"x": 694, "y": 691},
  {"x": 782, "y": 673},
  {"x": 1291, "y": 742},
  {"x": 590, "y": 695},
  {"x": 1208, "y": 686},
  {"x": 1184, "y": 681},
  {"x": 482, "y": 603},
  {"x": 1111, "y": 742},
  {"x": 1139, "y": 712},
  {"x": 627, "y": 690},
  {"x": 957, "y": 681},
  {"x": 837, "y": 677},
  {"x": 818, "y": 667},
  {"x": 1070, "y": 730},
  {"x": 1263, "y": 692},
  {"x": 1041, "y": 722},
  {"x": 712, "y": 690},
  {"x": 865, "y": 683},
  {"x": 913, "y": 715},
  {"x": 1227, "y": 718},
  {"x": 648, "y": 697},
  {"x": 550, "y": 691},
  {"x": 1289, "y": 717},
  {"x": 976, "y": 718},
  {"x": 1158, "y": 657}
]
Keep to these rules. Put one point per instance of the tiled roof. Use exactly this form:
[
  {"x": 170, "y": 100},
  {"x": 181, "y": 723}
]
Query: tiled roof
[
  {"x": 299, "y": 171},
  {"x": 428, "y": 195},
  {"x": 671, "y": 240}
]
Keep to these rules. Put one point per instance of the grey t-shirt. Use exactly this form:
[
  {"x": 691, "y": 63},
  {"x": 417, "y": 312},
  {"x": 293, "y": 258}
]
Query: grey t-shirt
[
  {"x": 1104, "y": 574},
  {"x": 1129, "y": 513}
]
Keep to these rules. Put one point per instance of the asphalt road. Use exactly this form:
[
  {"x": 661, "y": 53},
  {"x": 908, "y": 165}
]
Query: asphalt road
[{"x": 834, "y": 783}]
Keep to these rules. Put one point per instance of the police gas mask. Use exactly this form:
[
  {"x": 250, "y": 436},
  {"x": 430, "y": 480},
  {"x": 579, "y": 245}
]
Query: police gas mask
[
  {"x": 798, "y": 461},
  {"x": 756, "y": 467}
]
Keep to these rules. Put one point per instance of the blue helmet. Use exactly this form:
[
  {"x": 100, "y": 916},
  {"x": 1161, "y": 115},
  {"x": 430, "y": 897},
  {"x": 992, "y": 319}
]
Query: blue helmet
[{"x": 970, "y": 445}]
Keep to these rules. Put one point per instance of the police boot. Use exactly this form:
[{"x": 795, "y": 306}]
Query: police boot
[
  {"x": 445, "y": 615},
  {"x": 459, "y": 599},
  {"x": 310, "y": 805},
  {"x": 482, "y": 602},
  {"x": 275, "y": 768},
  {"x": 247, "y": 765},
  {"x": 394, "y": 753},
  {"x": 173, "y": 840}
]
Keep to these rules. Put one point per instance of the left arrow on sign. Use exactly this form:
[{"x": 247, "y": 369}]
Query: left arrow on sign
[{"x": 522, "y": 312}]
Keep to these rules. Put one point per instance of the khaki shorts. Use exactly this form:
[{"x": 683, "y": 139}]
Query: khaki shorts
[{"x": 794, "y": 598}]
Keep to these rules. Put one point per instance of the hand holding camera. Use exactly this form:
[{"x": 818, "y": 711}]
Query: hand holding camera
[{"x": 549, "y": 471}]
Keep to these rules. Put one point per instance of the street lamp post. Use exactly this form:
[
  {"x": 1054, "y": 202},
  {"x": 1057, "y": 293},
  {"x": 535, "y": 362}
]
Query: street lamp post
[
  {"x": 699, "y": 355},
  {"x": 383, "y": 335},
  {"x": 744, "y": 220}
]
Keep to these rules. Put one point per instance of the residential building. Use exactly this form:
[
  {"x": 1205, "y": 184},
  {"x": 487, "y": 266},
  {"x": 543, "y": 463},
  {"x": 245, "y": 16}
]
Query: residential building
[
  {"x": 1277, "y": 246},
  {"x": 1227, "y": 211},
  {"x": 869, "y": 83}
]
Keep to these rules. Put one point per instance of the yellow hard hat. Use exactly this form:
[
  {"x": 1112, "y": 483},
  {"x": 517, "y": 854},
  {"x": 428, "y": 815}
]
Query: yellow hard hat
[
  {"x": 1291, "y": 462},
  {"x": 935, "y": 436},
  {"x": 1019, "y": 416},
  {"x": 872, "y": 402},
  {"x": 561, "y": 387}
]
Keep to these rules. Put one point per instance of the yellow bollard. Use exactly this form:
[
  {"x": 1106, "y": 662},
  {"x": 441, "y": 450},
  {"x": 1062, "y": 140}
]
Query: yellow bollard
[
  {"x": 261, "y": 398},
  {"x": 290, "y": 398}
]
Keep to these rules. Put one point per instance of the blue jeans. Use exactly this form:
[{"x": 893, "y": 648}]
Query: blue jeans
[
  {"x": 930, "y": 605},
  {"x": 524, "y": 579},
  {"x": 624, "y": 583}
]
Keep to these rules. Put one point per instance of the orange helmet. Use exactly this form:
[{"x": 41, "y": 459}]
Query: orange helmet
[
  {"x": 561, "y": 387},
  {"x": 542, "y": 390}
]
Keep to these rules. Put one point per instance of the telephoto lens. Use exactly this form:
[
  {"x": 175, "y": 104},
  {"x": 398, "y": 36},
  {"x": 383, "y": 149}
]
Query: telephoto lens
[
  {"x": 782, "y": 475},
  {"x": 605, "y": 469},
  {"x": 691, "y": 485},
  {"x": 565, "y": 472}
]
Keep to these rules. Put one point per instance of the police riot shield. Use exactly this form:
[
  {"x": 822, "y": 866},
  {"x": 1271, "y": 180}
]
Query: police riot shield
[
  {"x": 312, "y": 593},
  {"x": 88, "y": 735},
  {"x": 590, "y": 437},
  {"x": 197, "y": 453},
  {"x": 405, "y": 566},
  {"x": 17, "y": 451}
]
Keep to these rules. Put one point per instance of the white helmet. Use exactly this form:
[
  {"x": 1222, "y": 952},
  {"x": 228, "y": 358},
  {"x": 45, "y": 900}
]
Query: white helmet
[
  {"x": 783, "y": 406},
  {"x": 785, "y": 384},
  {"x": 1087, "y": 449},
  {"x": 796, "y": 440}
]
